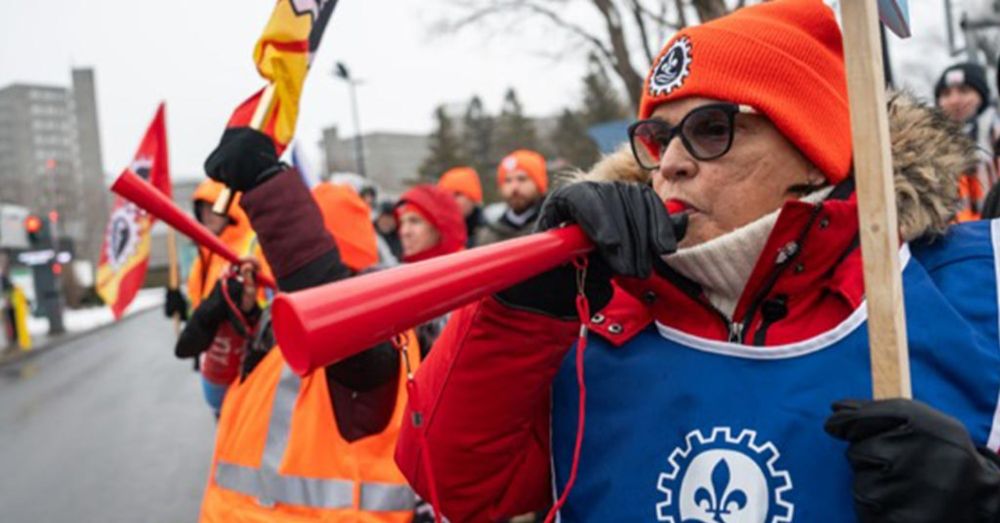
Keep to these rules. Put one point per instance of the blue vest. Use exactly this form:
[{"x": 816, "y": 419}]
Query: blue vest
[{"x": 687, "y": 430}]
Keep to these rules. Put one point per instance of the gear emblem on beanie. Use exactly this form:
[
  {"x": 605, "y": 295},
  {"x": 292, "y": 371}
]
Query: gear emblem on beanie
[{"x": 673, "y": 68}]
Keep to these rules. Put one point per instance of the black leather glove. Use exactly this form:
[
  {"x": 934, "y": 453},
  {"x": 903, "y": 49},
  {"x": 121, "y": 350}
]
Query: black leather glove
[
  {"x": 913, "y": 464},
  {"x": 244, "y": 159},
  {"x": 629, "y": 226},
  {"x": 175, "y": 304},
  {"x": 200, "y": 329}
]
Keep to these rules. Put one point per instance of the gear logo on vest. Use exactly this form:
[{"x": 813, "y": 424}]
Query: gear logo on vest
[
  {"x": 673, "y": 69},
  {"x": 724, "y": 478}
]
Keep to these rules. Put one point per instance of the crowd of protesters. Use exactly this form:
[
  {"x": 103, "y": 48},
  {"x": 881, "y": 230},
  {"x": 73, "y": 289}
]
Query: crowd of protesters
[{"x": 725, "y": 284}]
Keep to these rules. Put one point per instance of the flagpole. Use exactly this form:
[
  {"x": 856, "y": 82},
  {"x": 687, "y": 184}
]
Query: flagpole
[
  {"x": 173, "y": 279},
  {"x": 879, "y": 229},
  {"x": 221, "y": 205}
]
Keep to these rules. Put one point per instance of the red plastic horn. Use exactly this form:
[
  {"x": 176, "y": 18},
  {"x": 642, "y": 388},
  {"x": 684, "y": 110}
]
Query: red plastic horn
[
  {"x": 134, "y": 189},
  {"x": 320, "y": 326}
]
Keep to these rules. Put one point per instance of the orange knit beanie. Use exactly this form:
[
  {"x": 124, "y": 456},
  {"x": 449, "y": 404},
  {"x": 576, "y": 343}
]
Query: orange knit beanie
[
  {"x": 530, "y": 162},
  {"x": 462, "y": 180},
  {"x": 783, "y": 58}
]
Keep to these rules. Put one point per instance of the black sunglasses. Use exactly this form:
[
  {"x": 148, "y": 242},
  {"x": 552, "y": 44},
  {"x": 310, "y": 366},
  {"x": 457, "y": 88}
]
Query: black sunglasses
[{"x": 706, "y": 132}]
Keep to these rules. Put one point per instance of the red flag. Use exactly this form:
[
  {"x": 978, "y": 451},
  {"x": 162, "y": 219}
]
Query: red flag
[{"x": 125, "y": 253}]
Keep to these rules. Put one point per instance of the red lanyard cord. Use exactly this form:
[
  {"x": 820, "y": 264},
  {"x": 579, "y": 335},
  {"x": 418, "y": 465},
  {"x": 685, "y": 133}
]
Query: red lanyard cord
[
  {"x": 400, "y": 342},
  {"x": 583, "y": 310}
]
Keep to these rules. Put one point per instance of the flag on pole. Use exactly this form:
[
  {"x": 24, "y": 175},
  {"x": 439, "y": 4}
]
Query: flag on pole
[
  {"x": 283, "y": 55},
  {"x": 125, "y": 252}
]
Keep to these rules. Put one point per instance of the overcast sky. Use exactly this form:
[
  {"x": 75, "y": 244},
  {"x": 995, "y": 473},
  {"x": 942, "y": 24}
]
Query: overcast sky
[{"x": 196, "y": 55}]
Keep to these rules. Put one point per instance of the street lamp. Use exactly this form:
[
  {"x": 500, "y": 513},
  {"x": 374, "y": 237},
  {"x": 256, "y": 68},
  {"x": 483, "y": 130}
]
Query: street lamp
[
  {"x": 341, "y": 71},
  {"x": 977, "y": 22}
]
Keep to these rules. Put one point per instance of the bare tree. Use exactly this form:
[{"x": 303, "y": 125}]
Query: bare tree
[{"x": 625, "y": 30}]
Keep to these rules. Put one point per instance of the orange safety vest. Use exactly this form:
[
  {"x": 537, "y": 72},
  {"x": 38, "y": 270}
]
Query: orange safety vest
[
  {"x": 971, "y": 194},
  {"x": 208, "y": 268},
  {"x": 280, "y": 457}
]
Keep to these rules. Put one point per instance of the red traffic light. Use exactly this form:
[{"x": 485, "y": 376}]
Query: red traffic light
[
  {"x": 53, "y": 216},
  {"x": 57, "y": 268},
  {"x": 33, "y": 224}
]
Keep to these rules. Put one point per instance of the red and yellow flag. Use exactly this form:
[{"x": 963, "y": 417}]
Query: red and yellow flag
[
  {"x": 283, "y": 55},
  {"x": 125, "y": 252}
]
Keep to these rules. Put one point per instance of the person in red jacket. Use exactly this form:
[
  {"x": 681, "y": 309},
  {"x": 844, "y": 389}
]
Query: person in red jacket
[
  {"x": 430, "y": 225},
  {"x": 700, "y": 384}
]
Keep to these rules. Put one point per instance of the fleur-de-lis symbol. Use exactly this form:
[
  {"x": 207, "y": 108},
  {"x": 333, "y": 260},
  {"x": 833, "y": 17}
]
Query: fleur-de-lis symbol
[
  {"x": 670, "y": 67},
  {"x": 720, "y": 501},
  {"x": 674, "y": 63}
]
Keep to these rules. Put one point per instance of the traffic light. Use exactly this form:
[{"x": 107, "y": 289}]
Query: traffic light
[
  {"x": 39, "y": 231},
  {"x": 46, "y": 269}
]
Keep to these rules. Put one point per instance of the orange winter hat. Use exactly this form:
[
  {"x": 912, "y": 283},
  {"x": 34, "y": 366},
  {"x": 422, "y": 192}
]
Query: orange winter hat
[
  {"x": 462, "y": 180},
  {"x": 783, "y": 58},
  {"x": 530, "y": 162},
  {"x": 209, "y": 190},
  {"x": 347, "y": 218}
]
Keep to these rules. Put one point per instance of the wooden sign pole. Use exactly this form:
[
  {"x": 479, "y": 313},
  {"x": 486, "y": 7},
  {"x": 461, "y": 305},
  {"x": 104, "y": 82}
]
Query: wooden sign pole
[
  {"x": 173, "y": 282},
  {"x": 876, "y": 199}
]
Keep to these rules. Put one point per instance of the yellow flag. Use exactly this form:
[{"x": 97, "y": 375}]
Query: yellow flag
[{"x": 283, "y": 55}]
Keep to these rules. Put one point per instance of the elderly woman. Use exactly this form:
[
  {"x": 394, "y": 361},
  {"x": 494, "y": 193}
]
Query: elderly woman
[{"x": 714, "y": 354}]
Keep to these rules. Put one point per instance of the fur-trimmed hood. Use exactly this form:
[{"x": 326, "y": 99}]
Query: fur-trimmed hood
[{"x": 928, "y": 155}]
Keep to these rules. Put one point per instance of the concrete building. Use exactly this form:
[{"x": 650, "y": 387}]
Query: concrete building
[
  {"x": 50, "y": 157},
  {"x": 94, "y": 193},
  {"x": 391, "y": 159}
]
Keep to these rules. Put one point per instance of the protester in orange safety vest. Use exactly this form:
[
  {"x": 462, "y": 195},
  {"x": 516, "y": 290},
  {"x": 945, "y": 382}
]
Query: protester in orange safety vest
[
  {"x": 318, "y": 447},
  {"x": 215, "y": 345},
  {"x": 463, "y": 183},
  {"x": 963, "y": 96}
]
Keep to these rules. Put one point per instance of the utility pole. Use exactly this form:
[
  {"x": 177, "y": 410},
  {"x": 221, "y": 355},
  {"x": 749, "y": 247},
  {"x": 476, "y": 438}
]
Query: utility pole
[
  {"x": 977, "y": 22},
  {"x": 341, "y": 71}
]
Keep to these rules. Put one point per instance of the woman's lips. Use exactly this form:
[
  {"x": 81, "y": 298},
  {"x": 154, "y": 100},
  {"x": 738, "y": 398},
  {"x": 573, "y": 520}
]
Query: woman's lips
[{"x": 675, "y": 205}]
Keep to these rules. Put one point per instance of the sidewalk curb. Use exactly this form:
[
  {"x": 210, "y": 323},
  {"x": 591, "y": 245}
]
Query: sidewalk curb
[{"x": 21, "y": 356}]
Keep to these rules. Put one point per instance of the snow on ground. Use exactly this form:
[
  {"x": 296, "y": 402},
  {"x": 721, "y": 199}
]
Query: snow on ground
[{"x": 79, "y": 320}]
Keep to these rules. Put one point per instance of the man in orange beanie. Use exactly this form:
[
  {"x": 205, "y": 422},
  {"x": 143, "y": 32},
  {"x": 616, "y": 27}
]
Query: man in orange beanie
[
  {"x": 463, "y": 183},
  {"x": 523, "y": 181},
  {"x": 687, "y": 374}
]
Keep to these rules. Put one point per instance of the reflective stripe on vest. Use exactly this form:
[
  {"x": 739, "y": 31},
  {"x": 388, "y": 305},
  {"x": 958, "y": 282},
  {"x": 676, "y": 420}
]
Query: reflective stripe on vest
[{"x": 270, "y": 487}]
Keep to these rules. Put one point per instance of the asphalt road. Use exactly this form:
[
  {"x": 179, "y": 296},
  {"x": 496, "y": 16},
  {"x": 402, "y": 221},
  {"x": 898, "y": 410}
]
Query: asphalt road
[{"x": 108, "y": 427}]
